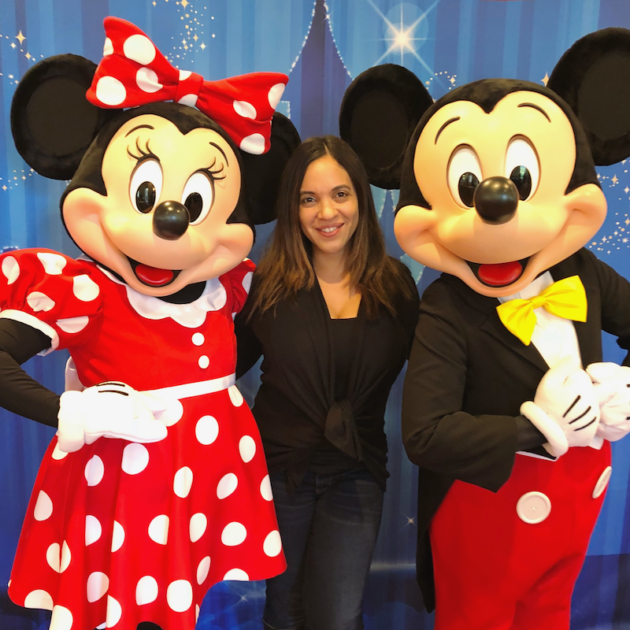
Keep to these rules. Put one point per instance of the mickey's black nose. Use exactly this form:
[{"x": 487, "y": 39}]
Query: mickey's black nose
[
  {"x": 496, "y": 200},
  {"x": 170, "y": 220}
]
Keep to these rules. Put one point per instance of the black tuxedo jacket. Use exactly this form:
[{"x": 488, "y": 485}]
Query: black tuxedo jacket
[{"x": 468, "y": 376}]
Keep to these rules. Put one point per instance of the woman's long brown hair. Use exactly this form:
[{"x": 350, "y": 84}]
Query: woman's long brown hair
[{"x": 286, "y": 266}]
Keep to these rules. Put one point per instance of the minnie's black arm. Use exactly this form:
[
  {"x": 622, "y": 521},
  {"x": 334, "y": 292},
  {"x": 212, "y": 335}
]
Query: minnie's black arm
[{"x": 19, "y": 393}]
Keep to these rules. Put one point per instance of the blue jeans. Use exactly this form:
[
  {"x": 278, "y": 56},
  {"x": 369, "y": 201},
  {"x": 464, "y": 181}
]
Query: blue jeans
[{"x": 329, "y": 528}]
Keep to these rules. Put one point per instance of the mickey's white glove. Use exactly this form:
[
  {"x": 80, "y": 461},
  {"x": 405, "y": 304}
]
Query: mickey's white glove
[
  {"x": 112, "y": 410},
  {"x": 565, "y": 408},
  {"x": 612, "y": 388}
]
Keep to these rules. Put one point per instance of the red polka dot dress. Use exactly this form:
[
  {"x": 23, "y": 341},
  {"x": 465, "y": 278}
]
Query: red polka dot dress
[{"x": 118, "y": 532}]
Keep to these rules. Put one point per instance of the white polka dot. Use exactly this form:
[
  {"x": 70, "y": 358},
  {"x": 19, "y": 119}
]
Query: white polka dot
[
  {"x": 118, "y": 536},
  {"x": 139, "y": 48},
  {"x": 198, "y": 339},
  {"x": 38, "y": 599},
  {"x": 147, "y": 81},
  {"x": 172, "y": 414},
  {"x": 197, "y": 528},
  {"x": 236, "y": 574},
  {"x": 10, "y": 269},
  {"x": 275, "y": 94},
  {"x": 84, "y": 288},
  {"x": 245, "y": 109},
  {"x": 189, "y": 99},
  {"x": 247, "y": 448},
  {"x": 110, "y": 91},
  {"x": 184, "y": 74},
  {"x": 158, "y": 529},
  {"x": 183, "y": 482},
  {"x": 265, "y": 489},
  {"x": 102, "y": 626},
  {"x": 43, "y": 507},
  {"x": 227, "y": 485},
  {"x": 204, "y": 362},
  {"x": 247, "y": 281},
  {"x": 114, "y": 612},
  {"x": 38, "y": 301},
  {"x": 254, "y": 144},
  {"x": 207, "y": 430},
  {"x": 73, "y": 324},
  {"x": 135, "y": 459},
  {"x": 202, "y": 570},
  {"x": 235, "y": 396},
  {"x": 58, "y": 453},
  {"x": 94, "y": 471},
  {"x": 58, "y": 558},
  {"x": 179, "y": 595},
  {"x": 93, "y": 529},
  {"x": 66, "y": 557},
  {"x": 97, "y": 586},
  {"x": 233, "y": 534},
  {"x": 146, "y": 590},
  {"x": 272, "y": 545},
  {"x": 61, "y": 619},
  {"x": 196, "y": 612},
  {"x": 108, "y": 47},
  {"x": 53, "y": 263},
  {"x": 53, "y": 557}
]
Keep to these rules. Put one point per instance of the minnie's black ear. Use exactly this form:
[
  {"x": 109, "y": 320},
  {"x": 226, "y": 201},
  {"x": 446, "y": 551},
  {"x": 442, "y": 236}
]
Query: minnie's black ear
[
  {"x": 379, "y": 112},
  {"x": 52, "y": 122},
  {"x": 593, "y": 77},
  {"x": 262, "y": 173}
]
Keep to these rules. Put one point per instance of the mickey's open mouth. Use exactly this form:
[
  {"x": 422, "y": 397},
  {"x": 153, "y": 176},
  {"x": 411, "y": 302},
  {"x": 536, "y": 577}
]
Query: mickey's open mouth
[
  {"x": 152, "y": 276},
  {"x": 500, "y": 274}
]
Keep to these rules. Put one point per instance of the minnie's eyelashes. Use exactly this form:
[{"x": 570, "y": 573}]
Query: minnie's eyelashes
[{"x": 144, "y": 153}]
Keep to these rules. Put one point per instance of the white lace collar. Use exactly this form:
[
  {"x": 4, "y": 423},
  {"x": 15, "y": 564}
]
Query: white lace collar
[{"x": 192, "y": 315}]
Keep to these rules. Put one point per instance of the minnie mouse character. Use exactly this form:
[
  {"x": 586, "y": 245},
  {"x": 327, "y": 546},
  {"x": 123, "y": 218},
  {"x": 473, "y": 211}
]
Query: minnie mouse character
[
  {"x": 499, "y": 191},
  {"x": 156, "y": 486}
]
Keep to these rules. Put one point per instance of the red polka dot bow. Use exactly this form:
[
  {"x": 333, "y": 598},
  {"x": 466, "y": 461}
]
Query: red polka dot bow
[{"x": 134, "y": 72}]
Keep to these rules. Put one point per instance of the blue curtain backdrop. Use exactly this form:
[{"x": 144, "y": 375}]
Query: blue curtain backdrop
[{"x": 322, "y": 46}]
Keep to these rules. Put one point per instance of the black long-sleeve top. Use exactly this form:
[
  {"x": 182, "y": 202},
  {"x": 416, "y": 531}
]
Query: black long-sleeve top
[{"x": 295, "y": 407}]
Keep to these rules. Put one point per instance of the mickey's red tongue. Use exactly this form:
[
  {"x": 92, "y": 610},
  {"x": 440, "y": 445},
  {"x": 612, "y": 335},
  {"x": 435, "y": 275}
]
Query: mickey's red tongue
[
  {"x": 501, "y": 274},
  {"x": 153, "y": 276}
]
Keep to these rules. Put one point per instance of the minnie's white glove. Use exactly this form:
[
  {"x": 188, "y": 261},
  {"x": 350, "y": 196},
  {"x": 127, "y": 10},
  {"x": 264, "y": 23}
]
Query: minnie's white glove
[
  {"x": 612, "y": 387},
  {"x": 565, "y": 408},
  {"x": 112, "y": 410}
]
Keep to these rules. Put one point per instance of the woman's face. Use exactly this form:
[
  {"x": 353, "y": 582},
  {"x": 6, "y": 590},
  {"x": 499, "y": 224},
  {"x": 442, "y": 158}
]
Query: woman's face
[{"x": 329, "y": 210}]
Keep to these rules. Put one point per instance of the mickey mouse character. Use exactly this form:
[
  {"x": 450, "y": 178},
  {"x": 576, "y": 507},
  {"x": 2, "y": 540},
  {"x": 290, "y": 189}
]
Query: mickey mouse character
[
  {"x": 156, "y": 486},
  {"x": 499, "y": 191}
]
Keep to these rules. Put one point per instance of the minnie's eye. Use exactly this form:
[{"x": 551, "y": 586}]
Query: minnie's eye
[
  {"x": 521, "y": 166},
  {"x": 464, "y": 175},
  {"x": 198, "y": 196},
  {"x": 146, "y": 185}
]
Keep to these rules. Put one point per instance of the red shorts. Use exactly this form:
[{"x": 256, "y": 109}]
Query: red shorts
[{"x": 509, "y": 560}]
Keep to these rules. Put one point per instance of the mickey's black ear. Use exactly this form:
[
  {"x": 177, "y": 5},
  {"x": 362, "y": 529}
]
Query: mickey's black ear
[
  {"x": 262, "y": 173},
  {"x": 52, "y": 122},
  {"x": 379, "y": 112},
  {"x": 593, "y": 77}
]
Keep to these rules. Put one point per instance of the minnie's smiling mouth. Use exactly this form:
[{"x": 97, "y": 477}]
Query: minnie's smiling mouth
[
  {"x": 499, "y": 274},
  {"x": 152, "y": 276}
]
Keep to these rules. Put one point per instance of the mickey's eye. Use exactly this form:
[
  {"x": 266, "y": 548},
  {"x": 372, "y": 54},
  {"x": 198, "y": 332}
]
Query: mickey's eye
[
  {"x": 146, "y": 185},
  {"x": 464, "y": 175},
  {"x": 198, "y": 196},
  {"x": 522, "y": 167}
]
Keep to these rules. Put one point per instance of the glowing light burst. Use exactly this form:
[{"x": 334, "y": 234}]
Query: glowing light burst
[{"x": 402, "y": 40}]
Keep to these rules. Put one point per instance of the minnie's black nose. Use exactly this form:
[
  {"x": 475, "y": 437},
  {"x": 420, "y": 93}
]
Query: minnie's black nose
[
  {"x": 496, "y": 200},
  {"x": 170, "y": 220}
]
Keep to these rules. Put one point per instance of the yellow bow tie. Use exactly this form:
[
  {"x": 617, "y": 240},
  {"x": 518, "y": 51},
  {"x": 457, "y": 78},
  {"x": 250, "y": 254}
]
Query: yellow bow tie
[{"x": 565, "y": 298}]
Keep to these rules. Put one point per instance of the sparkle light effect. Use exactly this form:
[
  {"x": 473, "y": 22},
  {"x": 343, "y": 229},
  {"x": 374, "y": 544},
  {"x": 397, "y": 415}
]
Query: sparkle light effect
[{"x": 403, "y": 40}]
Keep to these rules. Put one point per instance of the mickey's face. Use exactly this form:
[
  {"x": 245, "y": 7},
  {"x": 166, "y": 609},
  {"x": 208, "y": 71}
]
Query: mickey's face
[
  {"x": 496, "y": 184},
  {"x": 163, "y": 223}
]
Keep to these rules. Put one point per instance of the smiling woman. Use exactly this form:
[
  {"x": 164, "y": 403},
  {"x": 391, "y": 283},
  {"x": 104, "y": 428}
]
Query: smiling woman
[{"x": 333, "y": 317}]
